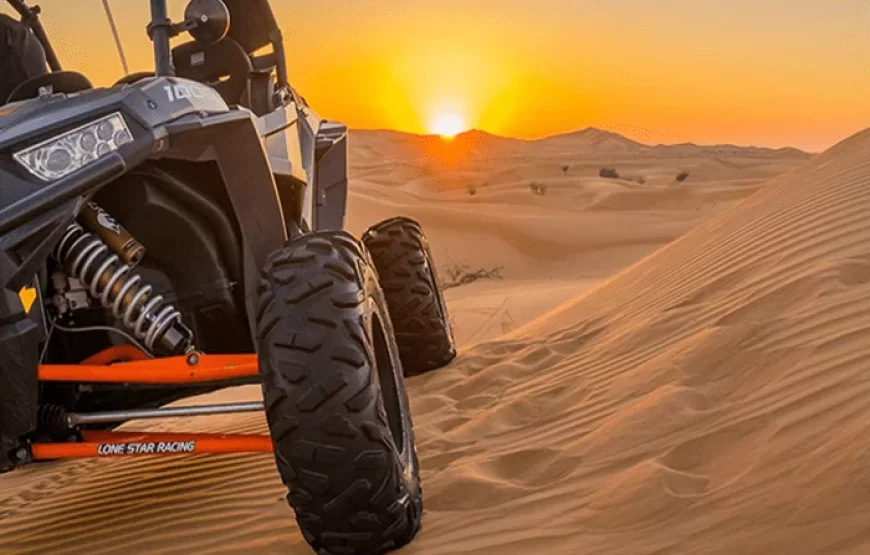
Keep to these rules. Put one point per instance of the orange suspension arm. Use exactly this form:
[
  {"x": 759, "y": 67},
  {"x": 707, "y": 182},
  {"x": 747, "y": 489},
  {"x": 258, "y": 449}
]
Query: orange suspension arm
[
  {"x": 189, "y": 369},
  {"x": 98, "y": 444}
]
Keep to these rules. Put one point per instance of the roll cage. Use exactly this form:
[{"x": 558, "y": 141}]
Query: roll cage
[{"x": 253, "y": 26}]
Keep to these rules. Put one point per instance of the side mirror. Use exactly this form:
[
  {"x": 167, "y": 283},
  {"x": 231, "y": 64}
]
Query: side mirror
[{"x": 209, "y": 20}]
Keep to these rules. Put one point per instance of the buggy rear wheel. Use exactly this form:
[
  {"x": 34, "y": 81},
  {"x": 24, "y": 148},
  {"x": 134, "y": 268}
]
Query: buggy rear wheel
[
  {"x": 335, "y": 397},
  {"x": 407, "y": 274}
]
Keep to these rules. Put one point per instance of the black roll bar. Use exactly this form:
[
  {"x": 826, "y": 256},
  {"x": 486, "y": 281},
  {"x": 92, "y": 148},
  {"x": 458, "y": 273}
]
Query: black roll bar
[{"x": 30, "y": 17}]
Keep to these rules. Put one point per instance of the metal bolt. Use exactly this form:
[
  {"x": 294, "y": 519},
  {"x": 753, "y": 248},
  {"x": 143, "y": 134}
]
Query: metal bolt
[
  {"x": 193, "y": 359},
  {"x": 21, "y": 454}
]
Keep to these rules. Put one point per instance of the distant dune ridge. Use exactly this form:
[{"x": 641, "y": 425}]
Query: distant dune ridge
[
  {"x": 588, "y": 141},
  {"x": 664, "y": 368},
  {"x": 429, "y": 163}
]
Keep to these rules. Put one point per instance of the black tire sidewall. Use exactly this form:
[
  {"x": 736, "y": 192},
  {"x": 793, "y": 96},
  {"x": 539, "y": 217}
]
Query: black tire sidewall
[
  {"x": 377, "y": 304},
  {"x": 435, "y": 284}
]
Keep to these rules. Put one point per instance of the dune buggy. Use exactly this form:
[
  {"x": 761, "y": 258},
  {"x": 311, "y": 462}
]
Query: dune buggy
[{"x": 182, "y": 231}]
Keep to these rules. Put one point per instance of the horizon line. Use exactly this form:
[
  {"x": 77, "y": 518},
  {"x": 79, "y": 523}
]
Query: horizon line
[{"x": 587, "y": 129}]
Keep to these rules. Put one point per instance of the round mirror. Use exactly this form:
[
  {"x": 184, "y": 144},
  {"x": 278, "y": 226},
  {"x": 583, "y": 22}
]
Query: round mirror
[{"x": 212, "y": 19}]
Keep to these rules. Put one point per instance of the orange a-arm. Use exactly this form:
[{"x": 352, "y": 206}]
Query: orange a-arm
[
  {"x": 137, "y": 368},
  {"x": 191, "y": 369},
  {"x": 117, "y": 444}
]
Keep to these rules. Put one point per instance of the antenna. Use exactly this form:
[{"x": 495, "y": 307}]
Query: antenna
[{"x": 114, "y": 27}]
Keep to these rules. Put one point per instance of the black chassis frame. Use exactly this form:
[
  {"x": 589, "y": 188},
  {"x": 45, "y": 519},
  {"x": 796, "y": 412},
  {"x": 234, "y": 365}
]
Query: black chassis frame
[{"x": 285, "y": 173}]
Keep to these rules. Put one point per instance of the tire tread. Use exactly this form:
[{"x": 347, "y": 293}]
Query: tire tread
[
  {"x": 333, "y": 447},
  {"x": 408, "y": 278}
]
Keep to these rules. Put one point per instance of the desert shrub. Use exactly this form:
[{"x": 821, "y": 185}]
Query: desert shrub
[
  {"x": 609, "y": 173},
  {"x": 459, "y": 273},
  {"x": 538, "y": 188},
  {"x": 641, "y": 180},
  {"x": 682, "y": 176},
  {"x": 472, "y": 190},
  {"x": 565, "y": 169}
]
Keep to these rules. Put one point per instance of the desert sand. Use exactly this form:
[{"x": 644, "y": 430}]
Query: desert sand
[{"x": 662, "y": 368}]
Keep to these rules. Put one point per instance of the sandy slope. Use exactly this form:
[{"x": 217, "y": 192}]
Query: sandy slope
[
  {"x": 708, "y": 398},
  {"x": 554, "y": 246}
]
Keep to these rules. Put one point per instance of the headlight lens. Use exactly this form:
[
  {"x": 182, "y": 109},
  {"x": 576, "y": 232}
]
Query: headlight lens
[{"x": 62, "y": 155}]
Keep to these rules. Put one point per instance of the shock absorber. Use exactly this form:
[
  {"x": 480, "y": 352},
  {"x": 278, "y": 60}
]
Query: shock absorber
[
  {"x": 107, "y": 228},
  {"x": 88, "y": 258}
]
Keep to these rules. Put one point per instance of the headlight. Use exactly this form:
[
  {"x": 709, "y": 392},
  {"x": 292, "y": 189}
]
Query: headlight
[{"x": 62, "y": 155}]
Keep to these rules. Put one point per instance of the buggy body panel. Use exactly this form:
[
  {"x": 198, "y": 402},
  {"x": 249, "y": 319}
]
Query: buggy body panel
[{"x": 170, "y": 119}]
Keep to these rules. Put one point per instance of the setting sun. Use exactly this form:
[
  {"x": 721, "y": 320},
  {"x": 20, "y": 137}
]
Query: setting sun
[{"x": 448, "y": 125}]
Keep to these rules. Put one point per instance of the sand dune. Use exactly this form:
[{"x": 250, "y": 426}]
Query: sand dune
[
  {"x": 662, "y": 369},
  {"x": 584, "y": 229},
  {"x": 710, "y": 399}
]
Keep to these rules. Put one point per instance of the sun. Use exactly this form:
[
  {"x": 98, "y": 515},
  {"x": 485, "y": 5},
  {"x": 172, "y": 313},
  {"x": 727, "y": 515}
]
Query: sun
[{"x": 448, "y": 125}]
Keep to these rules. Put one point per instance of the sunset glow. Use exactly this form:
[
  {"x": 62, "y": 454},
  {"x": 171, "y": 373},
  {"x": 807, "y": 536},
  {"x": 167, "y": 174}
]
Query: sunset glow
[
  {"x": 448, "y": 126},
  {"x": 533, "y": 69}
]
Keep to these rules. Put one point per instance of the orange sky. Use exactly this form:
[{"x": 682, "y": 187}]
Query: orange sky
[{"x": 786, "y": 72}]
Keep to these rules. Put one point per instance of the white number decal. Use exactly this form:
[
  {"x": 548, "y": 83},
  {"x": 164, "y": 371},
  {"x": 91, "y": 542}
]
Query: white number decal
[{"x": 183, "y": 91}]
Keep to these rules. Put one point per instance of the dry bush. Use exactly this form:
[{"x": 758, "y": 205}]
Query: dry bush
[
  {"x": 538, "y": 188},
  {"x": 459, "y": 273},
  {"x": 682, "y": 176},
  {"x": 609, "y": 173},
  {"x": 472, "y": 190}
]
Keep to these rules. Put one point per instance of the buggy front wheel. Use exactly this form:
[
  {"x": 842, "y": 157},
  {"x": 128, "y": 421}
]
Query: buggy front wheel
[{"x": 335, "y": 397}]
